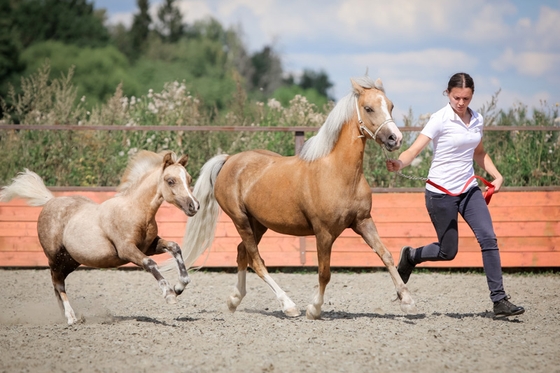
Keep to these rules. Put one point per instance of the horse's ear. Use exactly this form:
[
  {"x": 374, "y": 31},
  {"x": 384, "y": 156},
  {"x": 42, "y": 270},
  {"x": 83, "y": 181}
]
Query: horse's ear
[
  {"x": 379, "y": 84},
  {"x": 167, "y": 160},
  {"x": 184, "y": 160},
  {"x": 358, "y": 89}
]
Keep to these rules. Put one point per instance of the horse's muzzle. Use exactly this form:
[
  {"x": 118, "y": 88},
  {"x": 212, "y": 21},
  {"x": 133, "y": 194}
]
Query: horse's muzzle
[{"x": 392, "y": 142}]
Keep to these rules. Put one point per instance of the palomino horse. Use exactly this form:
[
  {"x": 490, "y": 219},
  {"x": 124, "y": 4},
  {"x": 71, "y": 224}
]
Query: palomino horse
[
  {"x": 321, "y": 192},
  {"x": 75, "y": 230}
]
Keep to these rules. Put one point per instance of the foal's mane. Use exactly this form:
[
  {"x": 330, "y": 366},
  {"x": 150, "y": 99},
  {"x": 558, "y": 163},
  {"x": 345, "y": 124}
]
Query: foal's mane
[
  {"x": 142, "y": 163},
  {"x": 323, "y": 142}
]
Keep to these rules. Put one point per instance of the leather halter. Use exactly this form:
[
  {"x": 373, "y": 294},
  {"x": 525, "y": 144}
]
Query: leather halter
[{"x": 365, "y": 129}]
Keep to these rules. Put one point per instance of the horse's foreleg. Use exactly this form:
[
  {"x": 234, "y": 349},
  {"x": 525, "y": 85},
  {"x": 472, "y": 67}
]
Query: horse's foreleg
[
  {"x": 175, "y": 250},
  {"x": 168, "y": 293},
  {"x": 60, "y": 292},
  {"x": 366, "y": 228},
  {"x": 240, "y": 289},
  {"x": 324, "y": 246}
]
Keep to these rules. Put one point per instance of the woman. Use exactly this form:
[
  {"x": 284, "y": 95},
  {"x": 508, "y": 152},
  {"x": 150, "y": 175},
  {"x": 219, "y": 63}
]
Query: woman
[{"x": 456, "y": 133}]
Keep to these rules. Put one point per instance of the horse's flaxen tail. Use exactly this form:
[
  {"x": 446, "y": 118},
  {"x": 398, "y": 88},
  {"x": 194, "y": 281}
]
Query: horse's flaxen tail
[
  {"x": 29, "y": 186},
  {"x": 200, "y": 228}
]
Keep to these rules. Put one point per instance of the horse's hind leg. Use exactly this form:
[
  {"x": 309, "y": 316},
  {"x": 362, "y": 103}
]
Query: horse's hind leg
[
  {"x": 240, "y": 289},
  {"x": 366, "y": 228},
  {"x": 251, "y": 235},
  {"x": 174, "y": 249},
  {"x": 59, "y": 272}
]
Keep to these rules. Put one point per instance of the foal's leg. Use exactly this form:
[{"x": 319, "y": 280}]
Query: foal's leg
[
  {"x": 59, "y": 272},
  {"x": 132, "y": 254},
  {"x": 324, "y": 247},
  {"x": 174, "y": 249},
  {"x": 250, "y": 238},
  {"x": 366, "y": 228}
]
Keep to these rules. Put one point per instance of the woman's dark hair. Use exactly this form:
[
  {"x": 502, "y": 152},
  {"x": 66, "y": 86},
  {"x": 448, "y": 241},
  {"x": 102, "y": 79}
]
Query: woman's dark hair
[{"x": 460, "y": 80}]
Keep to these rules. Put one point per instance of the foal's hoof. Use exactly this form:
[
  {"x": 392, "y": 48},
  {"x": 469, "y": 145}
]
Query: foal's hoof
[
  {"x": 409, "y": 308},
  {"x": 178, "y": 288},
  {"x": 171, "y": 299},
  {"x": 292, "y": 312}
]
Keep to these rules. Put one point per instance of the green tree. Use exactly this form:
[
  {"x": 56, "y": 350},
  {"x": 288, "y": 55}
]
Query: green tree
[
  {"x": 318, "y": 80},
  {"x": 285, "y": 94},
  {"x": 98, "y": 71},
  {"x": 68, "y": 21},
  {"x": 140, "y": 28},
  {"x": 10, "y": 48},
  {"x": 266, "y": 76},
  {"x": 170, "y": 26}
]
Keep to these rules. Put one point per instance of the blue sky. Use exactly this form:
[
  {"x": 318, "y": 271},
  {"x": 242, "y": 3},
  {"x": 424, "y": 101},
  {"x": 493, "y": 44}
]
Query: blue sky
[{"x": 413, "y": 46}]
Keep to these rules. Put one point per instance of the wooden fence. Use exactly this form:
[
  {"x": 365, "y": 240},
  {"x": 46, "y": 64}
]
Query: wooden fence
[
  {"x": 526, "y": 221},
  {"x": 527, "y": 224}
]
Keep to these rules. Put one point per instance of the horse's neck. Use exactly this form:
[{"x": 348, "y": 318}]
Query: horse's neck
[{"x": 348, "y": 152}]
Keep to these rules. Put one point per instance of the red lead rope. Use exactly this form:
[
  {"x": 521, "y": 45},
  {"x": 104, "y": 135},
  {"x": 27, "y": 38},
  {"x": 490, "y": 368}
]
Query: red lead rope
[{"x": 487, "y": 194}]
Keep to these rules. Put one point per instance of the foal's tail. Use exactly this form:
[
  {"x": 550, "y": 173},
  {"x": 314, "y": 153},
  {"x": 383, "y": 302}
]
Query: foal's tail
[
  {"x": 201, "y": 227},
  {"x": 29, "y": 186}
]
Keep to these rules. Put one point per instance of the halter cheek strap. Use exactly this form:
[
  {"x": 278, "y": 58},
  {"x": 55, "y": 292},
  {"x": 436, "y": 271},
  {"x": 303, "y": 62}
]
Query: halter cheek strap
[{"x": 365, "y": 129}]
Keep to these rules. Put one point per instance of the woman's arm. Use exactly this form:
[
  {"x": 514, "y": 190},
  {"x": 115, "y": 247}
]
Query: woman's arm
[
  {"x": 483, "y": 160},
  {"x": 409, "y": 154}
]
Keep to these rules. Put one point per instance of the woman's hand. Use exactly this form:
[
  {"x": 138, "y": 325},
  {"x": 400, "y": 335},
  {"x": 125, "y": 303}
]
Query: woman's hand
[
  {"x": 497, "y": 182},
  {"x": 393, "y": 165}
]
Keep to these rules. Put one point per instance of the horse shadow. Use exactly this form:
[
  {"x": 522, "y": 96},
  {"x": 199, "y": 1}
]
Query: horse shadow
[{"x": 410, "y": 319}]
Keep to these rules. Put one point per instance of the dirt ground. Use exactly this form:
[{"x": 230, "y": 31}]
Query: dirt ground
[{"x": 127, "y": 326}]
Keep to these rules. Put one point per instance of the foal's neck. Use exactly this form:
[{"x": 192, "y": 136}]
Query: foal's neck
[{"x": 146, "y": 194}]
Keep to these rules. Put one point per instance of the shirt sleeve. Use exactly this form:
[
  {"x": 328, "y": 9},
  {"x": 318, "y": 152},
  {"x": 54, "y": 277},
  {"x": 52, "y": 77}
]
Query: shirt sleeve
[{"x": 432, "y": 128}]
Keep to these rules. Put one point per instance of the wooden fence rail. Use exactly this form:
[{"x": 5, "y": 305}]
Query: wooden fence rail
[{"x": 527, "y": 224}]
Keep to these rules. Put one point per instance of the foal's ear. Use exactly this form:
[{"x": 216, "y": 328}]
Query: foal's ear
[
  {"x": 167, "y": 160},
  {"x": 184, "y": 160},
  {"x": 358, "y": 89}
]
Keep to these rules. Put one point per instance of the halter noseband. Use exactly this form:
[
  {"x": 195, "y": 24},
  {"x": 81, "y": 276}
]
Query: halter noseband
[{"x": 365, "y": 129}]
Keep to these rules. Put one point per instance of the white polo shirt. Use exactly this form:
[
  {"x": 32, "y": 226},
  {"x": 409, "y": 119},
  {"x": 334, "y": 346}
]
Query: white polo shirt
[{"x": 454, "y": 144}]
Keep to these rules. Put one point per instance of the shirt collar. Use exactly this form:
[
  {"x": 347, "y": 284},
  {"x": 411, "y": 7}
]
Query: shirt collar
[{"x": 450, "y": 114}]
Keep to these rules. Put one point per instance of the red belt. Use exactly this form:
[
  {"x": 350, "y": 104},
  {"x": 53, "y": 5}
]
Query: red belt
[{"x": 487, "y": 195}]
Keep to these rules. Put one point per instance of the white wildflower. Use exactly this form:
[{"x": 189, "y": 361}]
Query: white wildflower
[{"x": 274, "y": 104}]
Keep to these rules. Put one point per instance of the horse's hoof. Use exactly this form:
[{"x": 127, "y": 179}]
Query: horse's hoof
[
  {"x": 312, "y": 314},
  {"x": 292, "y": 312},
  {"x": 232, "y": 304}
]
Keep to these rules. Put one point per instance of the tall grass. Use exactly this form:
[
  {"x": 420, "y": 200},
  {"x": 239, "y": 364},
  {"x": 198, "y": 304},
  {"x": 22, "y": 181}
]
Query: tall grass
[{"x": 97, "y": 158}]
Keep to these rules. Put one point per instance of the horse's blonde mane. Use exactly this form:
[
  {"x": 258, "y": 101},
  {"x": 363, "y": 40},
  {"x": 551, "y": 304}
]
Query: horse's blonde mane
[
  {"x": 143, "y": 162},
  {"x": 323, "y": 142}
]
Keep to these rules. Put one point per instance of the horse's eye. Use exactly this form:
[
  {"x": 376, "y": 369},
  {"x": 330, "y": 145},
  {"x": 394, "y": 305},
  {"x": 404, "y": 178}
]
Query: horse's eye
[
  {"x": 171, "y": 182},
  {"x": 368, "y": 109}
]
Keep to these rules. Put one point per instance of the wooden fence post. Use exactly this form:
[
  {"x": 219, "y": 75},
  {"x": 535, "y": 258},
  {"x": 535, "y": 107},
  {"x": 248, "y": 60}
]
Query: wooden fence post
[{"x": 300, "y": 139}]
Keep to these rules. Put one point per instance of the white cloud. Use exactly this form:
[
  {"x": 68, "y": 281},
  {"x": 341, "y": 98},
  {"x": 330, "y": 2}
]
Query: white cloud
[
  {"x": 547, "y": 29},
  {"x": 121, "y": 18},
  {"x": 193, "y": 10},
  {"x": 533, "y": 64}
]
